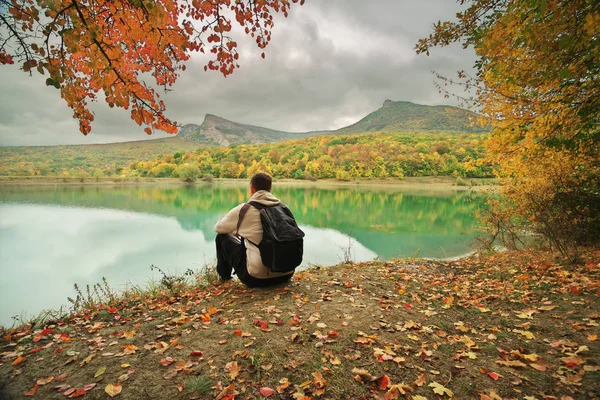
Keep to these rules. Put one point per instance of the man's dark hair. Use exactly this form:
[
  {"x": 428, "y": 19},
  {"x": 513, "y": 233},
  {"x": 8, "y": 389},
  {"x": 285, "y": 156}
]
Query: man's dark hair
[{"x": 261, "y": 181}]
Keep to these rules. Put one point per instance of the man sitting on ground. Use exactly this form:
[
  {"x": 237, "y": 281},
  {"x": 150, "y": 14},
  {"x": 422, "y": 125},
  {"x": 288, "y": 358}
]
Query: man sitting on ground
[{"x": 240, "y": 233}]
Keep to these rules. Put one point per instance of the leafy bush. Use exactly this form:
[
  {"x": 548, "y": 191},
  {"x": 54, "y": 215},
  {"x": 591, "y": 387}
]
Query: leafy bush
[{"x": 188, "y": 172}]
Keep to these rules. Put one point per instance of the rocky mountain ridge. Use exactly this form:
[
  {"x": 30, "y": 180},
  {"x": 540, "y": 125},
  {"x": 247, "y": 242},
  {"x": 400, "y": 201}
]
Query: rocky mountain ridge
[{"x": 393, "y": 116}]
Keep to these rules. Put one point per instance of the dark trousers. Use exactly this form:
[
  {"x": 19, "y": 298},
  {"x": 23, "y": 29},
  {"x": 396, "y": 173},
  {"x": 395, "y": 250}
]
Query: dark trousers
[{"x": 231, "y": 257}]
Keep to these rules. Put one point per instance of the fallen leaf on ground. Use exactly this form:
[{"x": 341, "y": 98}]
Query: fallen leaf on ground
[
  {"x": 233, "y": 369},
  {"x": 44, "y": 381},
  {"x": 421, "y": 380},
  {"x": 266, "y": 391},
  {"x": 113, "y": 389},
  {"x": 440, "y": 389},
  {"x": 31, "y": 392}
]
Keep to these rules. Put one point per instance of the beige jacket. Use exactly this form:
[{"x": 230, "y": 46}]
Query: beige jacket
[{"x": 251, "y": 229}]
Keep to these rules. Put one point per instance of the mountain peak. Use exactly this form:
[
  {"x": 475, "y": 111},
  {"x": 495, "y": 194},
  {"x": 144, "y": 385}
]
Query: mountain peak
[{"x": 404, "y": 116}]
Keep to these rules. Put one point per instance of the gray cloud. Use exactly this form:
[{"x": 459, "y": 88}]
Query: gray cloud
[{"x": 329, "y": 64}]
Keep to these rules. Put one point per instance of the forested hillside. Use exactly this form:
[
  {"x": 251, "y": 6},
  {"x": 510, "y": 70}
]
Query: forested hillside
[
  {"x": 402, "y": 116},
  {"x": 84, "y": 160},
  {"x": 342, "y": 157}
]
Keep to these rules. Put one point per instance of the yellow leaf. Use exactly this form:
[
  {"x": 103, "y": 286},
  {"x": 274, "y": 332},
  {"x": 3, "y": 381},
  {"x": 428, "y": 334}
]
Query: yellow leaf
[
  {"x": 592, "y": 337},
  {"x": 440, "y": 389},
  {"x": 87, "y": 360},
  {"x": 100, "y": 372},
  {"x": 128, "y": 334},
  {"x": 524, "y": 316},
  {"x": 113, "y": 390}
]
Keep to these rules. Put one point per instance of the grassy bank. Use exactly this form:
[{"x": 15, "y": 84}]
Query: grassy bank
[
  {"x": 425, "y": 183},
  {"x": 512, "y": 325}
]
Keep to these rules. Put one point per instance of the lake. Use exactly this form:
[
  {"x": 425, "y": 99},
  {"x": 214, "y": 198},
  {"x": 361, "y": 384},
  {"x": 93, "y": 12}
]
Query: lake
[{"x": 53, "y": 237}]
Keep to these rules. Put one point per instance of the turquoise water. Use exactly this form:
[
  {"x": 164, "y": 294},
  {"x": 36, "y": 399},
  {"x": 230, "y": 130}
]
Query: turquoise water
[{"x": 53, "y": 237}]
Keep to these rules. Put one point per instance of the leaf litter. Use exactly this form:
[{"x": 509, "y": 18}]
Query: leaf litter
[{"x": 510, "y": 325}]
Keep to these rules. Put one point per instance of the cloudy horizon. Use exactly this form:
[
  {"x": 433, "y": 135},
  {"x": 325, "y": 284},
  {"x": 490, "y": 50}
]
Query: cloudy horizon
[{"x": 328, "y": 65}]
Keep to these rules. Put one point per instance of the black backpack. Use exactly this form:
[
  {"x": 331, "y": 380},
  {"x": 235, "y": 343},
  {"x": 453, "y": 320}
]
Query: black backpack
[{"x": 282, "y": 245}]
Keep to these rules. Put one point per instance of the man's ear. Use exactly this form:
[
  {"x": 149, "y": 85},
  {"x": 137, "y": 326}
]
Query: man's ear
[{"x": 252, "y": 190}]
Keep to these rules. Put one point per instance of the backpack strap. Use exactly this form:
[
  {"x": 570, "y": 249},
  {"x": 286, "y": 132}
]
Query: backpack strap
[
  {"x": 243, "y": 212},
  {"x": 258, "y": 205}
]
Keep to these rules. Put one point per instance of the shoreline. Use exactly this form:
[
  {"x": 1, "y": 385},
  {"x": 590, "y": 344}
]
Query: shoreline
[{"x": 419, "y": 183}]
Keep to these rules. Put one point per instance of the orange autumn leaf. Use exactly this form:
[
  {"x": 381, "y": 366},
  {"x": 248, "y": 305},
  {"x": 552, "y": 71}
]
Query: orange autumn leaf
[
  {"x": 78, "y": 393},
  {"x": 318, "y": 380},
  {"x": 130, "y": 349},
  {"x": 233, "y": 369},
  {"x": 31, "y": 392},
  {"x": 45, "y": 381},
  {"x": 113, "y": 389},
  {"x": 18, "y": 360},
  {"x": 167, "y": 361},
  {"x": 421, "y": 380},
  {"x": 161, "y": 38}
]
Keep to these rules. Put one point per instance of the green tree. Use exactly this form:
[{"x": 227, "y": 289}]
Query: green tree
[{"x": 188, "y": 172}]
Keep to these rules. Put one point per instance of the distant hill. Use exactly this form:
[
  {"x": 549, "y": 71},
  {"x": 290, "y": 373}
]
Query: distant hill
[
  {"x": 393, "y": 116},
  {"x": 221, "y": 132},
  {"x": 403, "y": 116}
]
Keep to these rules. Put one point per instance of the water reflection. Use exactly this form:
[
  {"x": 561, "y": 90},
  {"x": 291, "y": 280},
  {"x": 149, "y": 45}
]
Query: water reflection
[
  {"x": 53, "y": 237},
  {"x": 45, "y": 249}
]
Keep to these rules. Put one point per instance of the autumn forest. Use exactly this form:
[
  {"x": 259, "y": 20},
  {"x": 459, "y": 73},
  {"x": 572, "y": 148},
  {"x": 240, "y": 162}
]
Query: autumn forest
[{"x": 111, "y": 247}]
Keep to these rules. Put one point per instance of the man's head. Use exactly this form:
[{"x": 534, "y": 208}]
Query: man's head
[{"x": 260, "y": 181}]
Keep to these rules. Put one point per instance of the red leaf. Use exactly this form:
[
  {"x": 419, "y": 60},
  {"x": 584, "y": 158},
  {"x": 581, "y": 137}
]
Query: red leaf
[
  {"x": 196, "y": 353},
  {"x": 408, "y": 306},
  {"x": 60, "y": 378},
  {"x": 266, "y": 391},
  {"x": 89, "y": 387},
  {"x": 493, "y": 375},
  {"x": 78, "y": 393},
  {"x": 383, "y": 382},
  {"x": 112, "y": 310}
]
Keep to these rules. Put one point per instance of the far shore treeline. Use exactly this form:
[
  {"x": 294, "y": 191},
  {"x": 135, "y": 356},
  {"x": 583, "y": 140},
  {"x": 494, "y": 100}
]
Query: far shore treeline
[
  {"x": 377, "y": 155},
  {"x": 339, "y": 157}
]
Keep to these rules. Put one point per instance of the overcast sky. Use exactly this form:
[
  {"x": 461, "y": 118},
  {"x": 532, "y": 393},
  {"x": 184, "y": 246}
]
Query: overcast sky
[{"x": 328, "y": 65}]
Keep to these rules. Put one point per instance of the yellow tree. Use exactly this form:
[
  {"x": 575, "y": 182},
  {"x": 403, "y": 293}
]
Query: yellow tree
[
  {"x": 87, "y": 47},
  {"x": 537, "y": 80}
]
